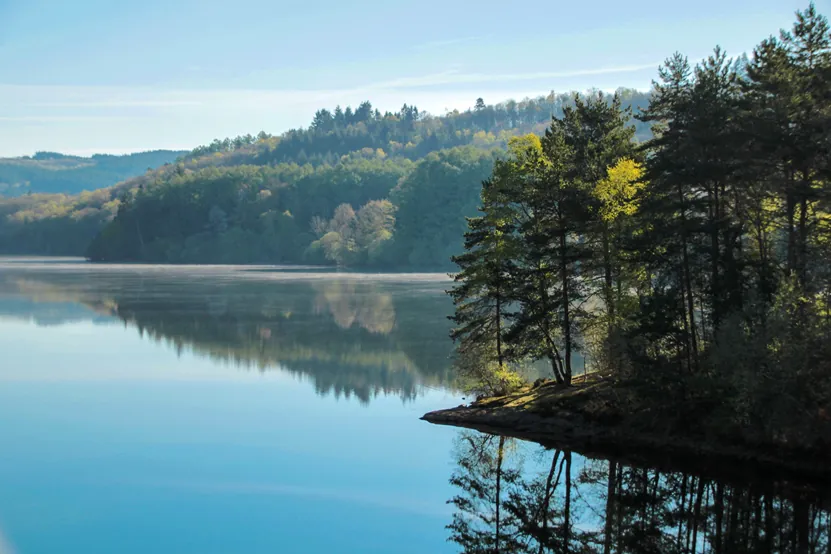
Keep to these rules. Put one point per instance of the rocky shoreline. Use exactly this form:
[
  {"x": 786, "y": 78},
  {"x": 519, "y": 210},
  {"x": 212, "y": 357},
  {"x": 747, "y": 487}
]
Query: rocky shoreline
[{"x": 556, "y": 417}]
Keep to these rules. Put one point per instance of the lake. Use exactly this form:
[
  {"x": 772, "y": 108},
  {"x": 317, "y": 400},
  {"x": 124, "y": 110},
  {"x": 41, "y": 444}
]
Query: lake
[{"x": 218, "y": 409}]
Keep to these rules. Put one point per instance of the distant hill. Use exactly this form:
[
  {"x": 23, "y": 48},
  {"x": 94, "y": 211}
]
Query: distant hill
[{"x": 51, "y": 172}]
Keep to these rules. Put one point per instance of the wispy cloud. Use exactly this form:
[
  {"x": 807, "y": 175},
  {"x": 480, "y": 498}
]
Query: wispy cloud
[
  {"x": 61, "y": 118},
  {"x": 79, "y": 118},
  {"x": 22, "y": 98},
  {"x": 455, "y": 77},
  {"x": 447, "y": 42},
  {"x": 148, "y": 103}
]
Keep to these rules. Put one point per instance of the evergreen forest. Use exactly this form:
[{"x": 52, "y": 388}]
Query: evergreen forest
[{"x": 694, "y": 268}]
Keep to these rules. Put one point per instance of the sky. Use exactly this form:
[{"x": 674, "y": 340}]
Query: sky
[{"x": 116, "y": 76}]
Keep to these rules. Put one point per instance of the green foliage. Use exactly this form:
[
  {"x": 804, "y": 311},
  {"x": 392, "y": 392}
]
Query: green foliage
[
  {"x": 357, "y": 239},
  {"x": 414, "y": 134},
  {"x": 482, "y": 289},
  {"x": 697, "y": 263},
  {"x": 533, "y": 259},
  {"x": 227, "y": 145},
  {"x": 288, "y": 213},
  {"x": 244, "y": 214},
  {"x": 432, "y": 203},
  {"x": 351, "y": 156},
  {"x": 54, "y": 223},
  {"x": 478, "y": 371}
]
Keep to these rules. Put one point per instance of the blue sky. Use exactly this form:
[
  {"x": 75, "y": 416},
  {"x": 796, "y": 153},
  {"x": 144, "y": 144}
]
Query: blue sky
[{"x": 85, "y": 76}]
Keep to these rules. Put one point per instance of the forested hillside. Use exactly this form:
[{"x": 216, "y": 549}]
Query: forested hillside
[
  {"x": 356, "y": 188},
  {"x": 50, "y": 172},
  {"x": 372, "y": 210}
]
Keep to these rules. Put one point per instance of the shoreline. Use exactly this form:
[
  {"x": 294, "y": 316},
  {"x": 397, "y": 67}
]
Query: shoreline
[{"x": 555, "y": 417}]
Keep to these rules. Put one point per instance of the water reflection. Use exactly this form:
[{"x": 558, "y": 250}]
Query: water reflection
[
  {"x": 351, "y": 337},
  {"x": 516, "y": 497},
  {"x": 351, "y": 303}
]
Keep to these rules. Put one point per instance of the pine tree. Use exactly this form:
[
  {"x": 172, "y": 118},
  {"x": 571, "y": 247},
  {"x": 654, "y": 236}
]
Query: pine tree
[
  {"x": 550, "y": 297},
  {"x": 669, "y": 212},
  {"x": 598, "y": 134},
  {"x": 483, "y": 286},
  {"x": 788, "y": 90}
]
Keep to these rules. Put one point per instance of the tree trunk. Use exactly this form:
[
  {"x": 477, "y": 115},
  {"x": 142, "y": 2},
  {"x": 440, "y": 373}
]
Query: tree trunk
[
  {"x": 687, "y": 348},
  {"x": 618, "y": 271},
  {"x": 619, "y": 505},
  {"x": 610, "y": 503},
  {"x": 719, "y": 517},
  {"x": 768, "y": 523},
  {"x": 556, "y": 368},
  {"x": 803, "y": 241},
  {"x": 690, "y": 514},
  {"x": 607, "y": 276},
  {"x": 765, "y": 278},
  {"x": 553, "y": 351},
  {"x": 699, "y": 496},
  {"x": 499, "y": 491},
  {"x": 802, "y": 525},
  {"x": 828, "y": 548},
  {"x": 567, "y": 509},
  {"x": 732, "y": 526},
  {"x": 688, "y": 282},
  {"x": 715, "y": 224},
  {"x": 755, "y": 545},
  {"x": 554, "y": 356},
  {"x": 499, "y": 325},
  {"x": 790, "y": 209},
  {"x": 734, "y": 232},
  {"x": 566, "y": 310},
  {"x": 543, "y": 539},
  {"x": 683, "y": 512}
]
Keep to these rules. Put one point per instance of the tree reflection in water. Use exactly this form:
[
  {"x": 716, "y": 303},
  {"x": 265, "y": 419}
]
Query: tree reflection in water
[
  {"x": 351, "y": 302},
  {"x": 515, "y": 497},
  {"x": 352, "y": 337}
]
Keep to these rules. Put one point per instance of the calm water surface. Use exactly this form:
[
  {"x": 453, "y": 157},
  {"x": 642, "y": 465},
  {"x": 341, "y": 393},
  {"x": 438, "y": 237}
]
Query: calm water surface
[
  {"x": 241, "y": 409},
  {"x": 157, "y": 409}
]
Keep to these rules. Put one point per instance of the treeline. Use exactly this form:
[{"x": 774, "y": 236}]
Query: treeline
[
  {"x": 374, "y": 211},
  {"x": 345, "y": 191},
  {"x": 50, "y": 172},
  {"x": 340, "y": 159},
  {"x": 227, "y": 145},
  {"x": 699, "y": 262},
  {"x": 414, "y": 134},
  {"x": 408, "y": 132}
]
